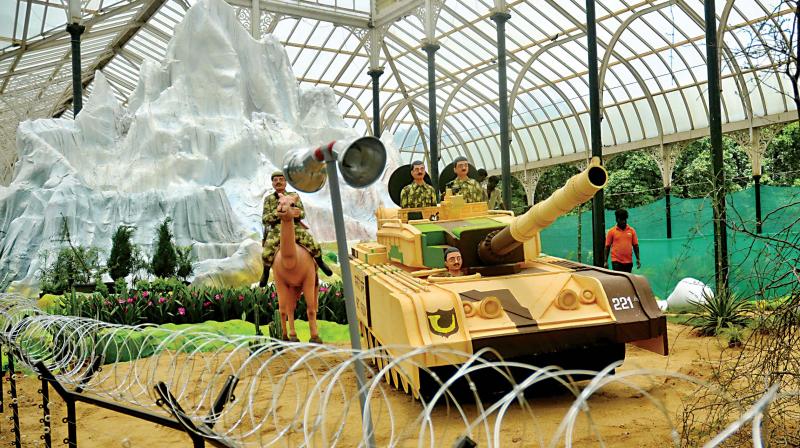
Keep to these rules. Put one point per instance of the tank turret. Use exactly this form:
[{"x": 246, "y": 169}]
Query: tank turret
[{"x": 578, "y": 189}]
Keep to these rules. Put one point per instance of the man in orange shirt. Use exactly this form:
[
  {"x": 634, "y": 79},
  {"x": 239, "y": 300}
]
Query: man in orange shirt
[{"x": 619, "y": 242}]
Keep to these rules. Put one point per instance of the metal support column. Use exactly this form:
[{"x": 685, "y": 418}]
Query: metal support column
[
  {"x": 757, "y": 182},
  {"x": 376, "y": 73},
  {"x": 667, "y": 198},
  {"x": 45, "y": 391},
  {"x": 349, "y": 295},
  {"x": 431, "y": 48},
  {"x": 500, "y": 18},
  {"x": 598, "y": 208},
  {"x": 14, "y": 404},
  {"x": 75, "y": 30},
  {"x": 715, "y": 126},
  {"x": 255, "y": 19}
]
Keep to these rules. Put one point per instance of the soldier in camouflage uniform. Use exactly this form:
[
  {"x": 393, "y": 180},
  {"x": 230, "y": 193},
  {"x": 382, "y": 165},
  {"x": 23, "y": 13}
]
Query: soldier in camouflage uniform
[
  {"x": 418, "y": 193},
  {"x": 272, "y": 229},
  {"x": 468, "y": 188}
]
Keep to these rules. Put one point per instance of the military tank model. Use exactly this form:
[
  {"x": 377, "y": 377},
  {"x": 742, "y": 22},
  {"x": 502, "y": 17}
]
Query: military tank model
[{"x": 522, "y": 304}]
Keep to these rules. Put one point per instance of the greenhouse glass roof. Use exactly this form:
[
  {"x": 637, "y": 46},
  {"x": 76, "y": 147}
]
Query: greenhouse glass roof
[{"x": 652, "y": 70}]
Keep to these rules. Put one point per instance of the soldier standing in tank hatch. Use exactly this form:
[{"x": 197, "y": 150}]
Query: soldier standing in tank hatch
[
  {"x": 418, "y": 193},
  {"x": 453, "y": 262},
  {"x": 468, "y": 188},
  {"x": 272, "y": 229}
]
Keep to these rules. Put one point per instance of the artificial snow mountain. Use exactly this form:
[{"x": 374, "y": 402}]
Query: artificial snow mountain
[{"x": 201, "y": 134}]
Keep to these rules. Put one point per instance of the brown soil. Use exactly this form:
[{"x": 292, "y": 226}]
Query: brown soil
[{"x": 620, "y": 415}]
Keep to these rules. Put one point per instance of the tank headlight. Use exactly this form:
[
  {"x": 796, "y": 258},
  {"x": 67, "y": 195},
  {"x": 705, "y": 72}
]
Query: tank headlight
[
  {"x": 490, "y": 308},
  {"x": 469, "y": 309},
  {"x": 587, "y": 297},
  {"x": 567, "y": 300}
]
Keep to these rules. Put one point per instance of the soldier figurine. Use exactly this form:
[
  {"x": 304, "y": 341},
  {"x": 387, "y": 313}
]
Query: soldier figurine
[
  {"x": 272, "y": 229},
  {"x": 453, "y": 262},
  {"x": 417, "y": 194},
  {"x": 468, "y": 188}
]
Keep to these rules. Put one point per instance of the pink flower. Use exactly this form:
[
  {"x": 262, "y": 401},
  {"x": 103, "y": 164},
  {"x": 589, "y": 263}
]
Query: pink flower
[
  {"x": 121, "y": 301},
  {"x": 323, "y": 289},
  {"x": 130, "y": 299},
  {"x": 338, "y": 294},
  {"x": 149, "y": 303},
  {"x": 241, "y": 298},
  {"x": 181, "y": 311},
  {"x": 273, "y": 295},
  {"x": 206, "y": 304},
  {"x": 162, "y": 299},
  {"x": 216, "y": 297},
  {"x": 145, "y": 294}
]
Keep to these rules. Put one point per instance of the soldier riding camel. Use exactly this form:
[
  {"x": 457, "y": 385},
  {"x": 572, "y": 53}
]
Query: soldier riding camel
[{"x": 272, "y": 228}]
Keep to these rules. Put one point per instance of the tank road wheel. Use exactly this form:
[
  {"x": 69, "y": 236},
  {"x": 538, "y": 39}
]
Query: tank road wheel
[
  {"x": 395, "y": 378},
  {"x": 404, "y": 383}
]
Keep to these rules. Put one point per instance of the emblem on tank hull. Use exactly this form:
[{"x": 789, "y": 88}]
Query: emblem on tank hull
[{"x": 443, "y": 322}]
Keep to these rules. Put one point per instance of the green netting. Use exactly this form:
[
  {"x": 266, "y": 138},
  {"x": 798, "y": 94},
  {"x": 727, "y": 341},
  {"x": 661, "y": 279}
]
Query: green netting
[{"x": 755, "y": 262}]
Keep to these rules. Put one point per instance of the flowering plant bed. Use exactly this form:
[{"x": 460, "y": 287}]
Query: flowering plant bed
[{"x": 170, "y": 301}]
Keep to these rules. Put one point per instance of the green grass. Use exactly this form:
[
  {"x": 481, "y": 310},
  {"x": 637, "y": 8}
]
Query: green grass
[
  {"x": 122, "y": 345},
  {"x": 328, "y": 331}
]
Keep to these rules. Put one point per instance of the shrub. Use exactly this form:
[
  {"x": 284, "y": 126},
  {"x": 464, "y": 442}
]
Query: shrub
[
  {"x": 72, "y": 265},
  {"x": 184, "y": 261},
  {"x": 140, "y": 267},
  {"x": 735, "y": 335},
  {"x": 120, "y": 261},
  {"x": 99, "y": 286},
  {"x": 723, "y": 310},
  {"x": 164, "y": 258}
]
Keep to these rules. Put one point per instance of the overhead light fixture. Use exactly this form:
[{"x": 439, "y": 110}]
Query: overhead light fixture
[{"x": 74, "y": 11}]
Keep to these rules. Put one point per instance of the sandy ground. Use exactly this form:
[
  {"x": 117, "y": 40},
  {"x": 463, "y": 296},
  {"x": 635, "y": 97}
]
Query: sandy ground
[{"x": 621, "y": 415}]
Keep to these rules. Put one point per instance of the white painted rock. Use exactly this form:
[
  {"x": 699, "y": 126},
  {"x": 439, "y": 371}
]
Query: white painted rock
[{"x": 688, "y": 291}]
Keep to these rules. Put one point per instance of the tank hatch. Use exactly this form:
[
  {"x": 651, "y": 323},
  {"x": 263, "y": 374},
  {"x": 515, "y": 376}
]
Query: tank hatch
[{"x": 465, "y": 234}]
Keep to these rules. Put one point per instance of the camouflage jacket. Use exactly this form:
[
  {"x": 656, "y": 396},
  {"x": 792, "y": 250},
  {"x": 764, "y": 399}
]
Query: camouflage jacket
[
  {"x": 470, "y": 189},
  {"x": 414, "y": 195}
]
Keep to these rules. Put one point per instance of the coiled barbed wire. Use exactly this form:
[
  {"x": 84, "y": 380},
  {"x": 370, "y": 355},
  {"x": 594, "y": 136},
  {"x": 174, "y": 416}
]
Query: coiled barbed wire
[{"x": 306, "y": 392}]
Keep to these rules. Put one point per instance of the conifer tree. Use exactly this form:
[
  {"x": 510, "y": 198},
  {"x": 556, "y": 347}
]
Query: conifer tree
[
  {"x": 164, "y": 258},
  {"x": 120, "y": 260}
]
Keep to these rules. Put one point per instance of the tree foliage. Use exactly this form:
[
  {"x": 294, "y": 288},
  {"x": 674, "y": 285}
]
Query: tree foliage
[
  {"x": 693, "y": 175},
  {"x": 164, "y": 261},
  {"x": 554, "y": 178},
  {"x": 782, "y": 162},
  {"x": 519, "y": 200},
  {"x": 120, "y": 261},
  {"x": 633, "y": 180}
]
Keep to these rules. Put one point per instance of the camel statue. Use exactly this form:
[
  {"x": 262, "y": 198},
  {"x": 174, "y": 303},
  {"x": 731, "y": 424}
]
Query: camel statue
[{"x": 295, "y": 272}]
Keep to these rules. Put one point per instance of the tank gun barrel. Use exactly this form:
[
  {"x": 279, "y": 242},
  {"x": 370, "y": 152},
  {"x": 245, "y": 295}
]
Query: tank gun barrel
[{"x": 578, "y": 189}]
